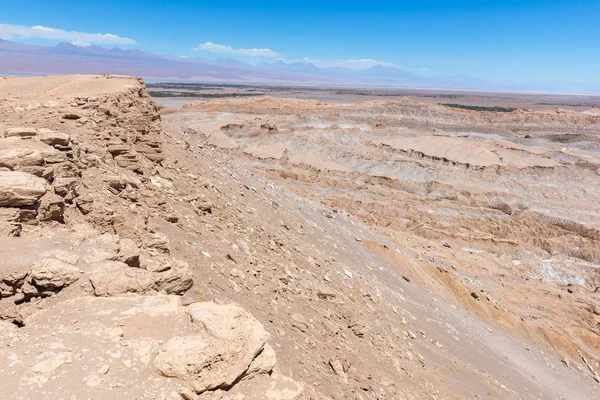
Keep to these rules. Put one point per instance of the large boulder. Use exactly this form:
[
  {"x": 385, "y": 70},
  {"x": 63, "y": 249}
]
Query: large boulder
[
  {"x": 53, "y": 138},
  {"x": 19, "y": 189},
  {"x": 52, "y": 274},
  {"x": 112, "y": 278},
  {"x": 228, "y": 341},
  {"x": 15, "y": 156}
]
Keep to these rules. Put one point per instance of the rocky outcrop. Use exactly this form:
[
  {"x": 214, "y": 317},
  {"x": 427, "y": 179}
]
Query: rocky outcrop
[
  {"x": 108, "y": 264},
  {"x": 207, "y": 346},
  {"x": 22, "y": 154},
  {"x": 110, "y": 278},
  {"x": 18, "y": 189},
  {"x": 74, "y": 213}
]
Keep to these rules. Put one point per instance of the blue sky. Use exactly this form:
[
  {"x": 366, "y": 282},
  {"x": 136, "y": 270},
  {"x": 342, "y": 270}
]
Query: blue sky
[{"x": 520, "y": 41}]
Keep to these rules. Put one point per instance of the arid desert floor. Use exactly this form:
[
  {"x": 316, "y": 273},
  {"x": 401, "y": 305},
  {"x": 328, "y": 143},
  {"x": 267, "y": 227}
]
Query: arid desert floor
[{"x": 312, "y": 246}]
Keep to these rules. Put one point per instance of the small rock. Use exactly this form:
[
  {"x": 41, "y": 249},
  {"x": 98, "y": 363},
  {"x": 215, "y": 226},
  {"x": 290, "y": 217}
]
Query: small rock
[
  {"x": 299, "y": 323},
  {"x": 325, "y": 293},
  {"x": 158, "y": 241},
  {"x": 337, "y": 367},
  {"x": 71, "y": 116},
  {"x": 103, "y": 369},
  {"x": 20, "y": 132},
  {"x": 129, "y": 253}
]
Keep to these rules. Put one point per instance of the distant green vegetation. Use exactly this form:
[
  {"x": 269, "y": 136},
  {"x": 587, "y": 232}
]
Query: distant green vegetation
[
  {"x": 479, "y": 108},
  {"x": 156, "y": 93},
  {"x": 567, "y": 105},
  {"x": 194, "y": 86},
  {"x": 398, "y": 94}
]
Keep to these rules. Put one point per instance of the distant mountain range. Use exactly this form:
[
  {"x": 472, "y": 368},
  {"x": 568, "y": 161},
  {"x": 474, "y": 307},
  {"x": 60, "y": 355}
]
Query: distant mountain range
[{"x": 66, "y": 58}]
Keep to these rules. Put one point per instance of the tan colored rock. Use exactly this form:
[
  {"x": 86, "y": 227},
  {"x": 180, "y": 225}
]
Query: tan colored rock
[
  {"x": 72, "y": 116},
  {"x": 85, "y": 204},
  {"x": 127, "y": 161},
  {"x": 325, "y": 293},
  {"x": 117, "y": 149},
  {"x": 15, "y": 156},
  {"x": 53, "y": 274},
  {"x": 53, "y": 138},
  {"x": 231, "y": 339},
  {"x": 218, "y": 319},
  {"x": 65, "y": 187},
  {"x": 195, "y": 360},
  {"x": 52, "y": 208},
  {"x": 129, "y": 253},
  {"x": 262, "y": 364},
  {"x": 111, "y": 278},
  {"x": 177, "y": 278},
  {"x": 18, "y": 189},
  {"x": 28, "y": 155},
  {"x": 62, "y": 255},
  {"x": 264, "y": 387},
  {"x": 20, "y": 132},
  {"x": 158, "y": 241},
  {"x": 10, "y": 224},
  {"x": 52, "y": 362},
  {"x": 337, "y": 367}
]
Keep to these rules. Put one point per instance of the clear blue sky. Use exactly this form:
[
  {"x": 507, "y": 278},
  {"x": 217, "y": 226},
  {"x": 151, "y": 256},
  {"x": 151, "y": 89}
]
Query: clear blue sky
[{"x": 541, "y": 41}]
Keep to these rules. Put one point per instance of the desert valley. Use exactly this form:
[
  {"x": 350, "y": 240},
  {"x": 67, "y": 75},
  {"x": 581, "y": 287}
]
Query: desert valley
[{"x": 296, "y": 243}]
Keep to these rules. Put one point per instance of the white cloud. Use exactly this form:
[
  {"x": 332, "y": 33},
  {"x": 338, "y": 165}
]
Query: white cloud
[
  {"x": 10, "y": 32},
  {"x": 359, "y": 64},
  {"x": 224, "y": 49},
  {"x": 79, "y": 43}
]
